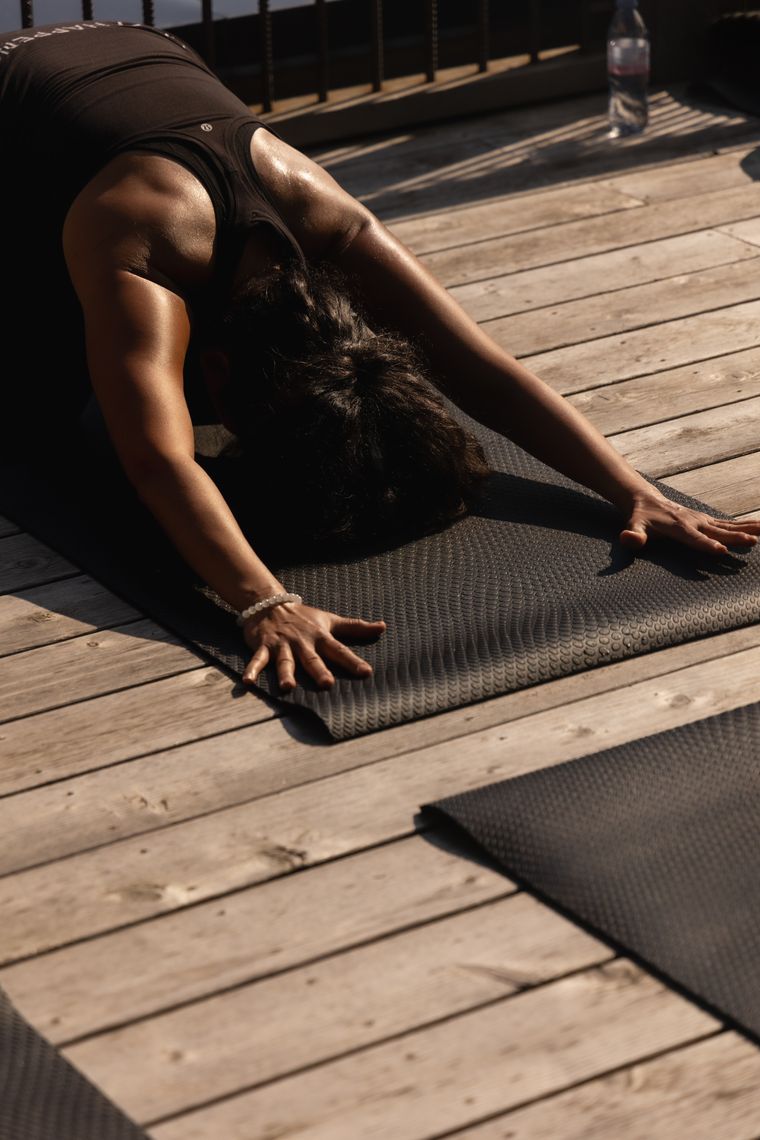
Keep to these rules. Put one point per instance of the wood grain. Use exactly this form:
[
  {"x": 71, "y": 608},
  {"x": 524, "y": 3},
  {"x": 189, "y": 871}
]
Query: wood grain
[
  {"x": 707, "y": 1091},
  {"x": 263, "y": 1031},
  {"x": 642, "y": 352},
  {"x": 675, "y": 392},
  {"x": 89, "y": 666},
  {"x": 249, "y": 934},
  {"x": 190, "y": 706},
  {"x": 510, "y": 215},
  {"x": 165, "y": 867},
  {"x": 57, "y": 611},
  {"x": 686, "y": 442},
  {"x": 608, "y": 314},
  {"x": 555, "y": 244},
  {"x": 599, "y": 274},
  {"x": 435, "y": 1080},
  {"x": 26, "y": 562},
  {"x": 731, "y": 485}
]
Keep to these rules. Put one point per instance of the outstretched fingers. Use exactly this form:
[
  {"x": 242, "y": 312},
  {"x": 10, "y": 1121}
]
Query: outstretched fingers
[
  {"x": 357, "y": 627},
  {"x": 286, "y": 668},
  {"x": 341, "y": 655},
  {"x": 314, "y": 665},
  {"x": 259, "y": 660},
  {"x": 733, "y": 534}
]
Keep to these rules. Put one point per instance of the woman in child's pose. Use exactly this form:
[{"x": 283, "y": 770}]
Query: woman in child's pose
[{"x": 145, "y": 206}]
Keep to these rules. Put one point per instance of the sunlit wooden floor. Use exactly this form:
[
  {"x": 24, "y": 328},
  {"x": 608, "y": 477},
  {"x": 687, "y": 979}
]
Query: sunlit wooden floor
[{"x": 236, "y": 930}]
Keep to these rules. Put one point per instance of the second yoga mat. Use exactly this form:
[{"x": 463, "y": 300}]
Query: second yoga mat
[
  {"x": 653, "y": 845},
  {"x": 533, "y": 586},
  {"x": 43, "y": 1097}
]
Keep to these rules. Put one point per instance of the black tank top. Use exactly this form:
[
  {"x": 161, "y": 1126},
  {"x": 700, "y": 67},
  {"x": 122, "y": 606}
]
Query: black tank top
[{"x": 73, "y": 96}]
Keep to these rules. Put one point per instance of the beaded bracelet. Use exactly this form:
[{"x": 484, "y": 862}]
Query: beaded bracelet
[{"x": 265, "y": 604}]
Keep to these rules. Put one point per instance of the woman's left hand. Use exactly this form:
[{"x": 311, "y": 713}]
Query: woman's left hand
[{"x": 653, "y": 514}]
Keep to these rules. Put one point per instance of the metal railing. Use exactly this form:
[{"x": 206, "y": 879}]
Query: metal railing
[
  {"x": 481, "y": 18},
  {"x": 484, "y": 32}
]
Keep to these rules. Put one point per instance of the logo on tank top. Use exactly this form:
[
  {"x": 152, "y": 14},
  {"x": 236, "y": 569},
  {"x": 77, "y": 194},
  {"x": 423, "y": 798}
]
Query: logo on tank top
[{"x": 206, "y": 127}]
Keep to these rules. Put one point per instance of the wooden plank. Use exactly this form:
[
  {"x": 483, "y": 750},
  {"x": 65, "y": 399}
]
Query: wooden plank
[
  {"x": 556, "y": 244},
  {"x": 7, "y": 527},
  {"x": 509, "y": 215},
  {"x": 686, "y": 442},
  {"x": 263, "y": 1031},
  {"x": 608, "y": 314},
  {"x": 189, "y": 706},
  {"x": 501, "y": 128},
  {"x": 747, "y": 231},
  {"x": 532, "y": 124},
  {"x": 406, "y": 163},
  {"x": 730, "y": 486},
  {"x": 89, "y": 666},
  {"x": 437, "y": 1079},
  {"x": 57, "y": 611},
  {"x": 250, "y": 934},
  {"x": 707, "y": 1091},
  {"x": 675, "y": 392},
  {"x": 578, "y": 152},
  {"x": 681, "y": 179},
  {"x": 132, "y": 799},
  {"x": 26, "y": 562},
  {"x": 512, "y": 213},
  {"x": 644, "y": 351},
  {"x": 528, "y": 289},
  {"x": 165, "y": 867}
]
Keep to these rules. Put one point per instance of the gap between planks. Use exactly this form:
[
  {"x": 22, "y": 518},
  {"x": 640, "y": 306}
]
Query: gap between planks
[
  {"x": 705, "y": 1091},
  {"x": 434, "y": 1079},
  {"x": 161, "y": 866}
]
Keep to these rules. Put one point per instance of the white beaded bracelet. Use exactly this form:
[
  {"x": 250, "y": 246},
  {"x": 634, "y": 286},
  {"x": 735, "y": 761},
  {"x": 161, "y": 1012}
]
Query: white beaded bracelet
[{"x": 265, "y": 604}]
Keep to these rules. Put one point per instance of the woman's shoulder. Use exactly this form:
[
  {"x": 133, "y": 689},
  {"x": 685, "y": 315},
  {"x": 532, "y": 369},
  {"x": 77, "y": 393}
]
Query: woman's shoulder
[
  {"x": 315, "y": 207},
  {"x": 147, "y": 214}
]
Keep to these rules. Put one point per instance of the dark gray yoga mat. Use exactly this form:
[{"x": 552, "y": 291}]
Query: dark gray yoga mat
[
  {"x": 532, "y": 587},
  {"x": 43, "y": 1097},
  {"x": 653, "y": 845}
]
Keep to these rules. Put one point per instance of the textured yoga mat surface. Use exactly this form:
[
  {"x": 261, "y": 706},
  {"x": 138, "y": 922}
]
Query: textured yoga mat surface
[
  {"x": 43, "y": 1097},
  {"x": 654, "y": 845},
  {"x": 533, "y": 586}
]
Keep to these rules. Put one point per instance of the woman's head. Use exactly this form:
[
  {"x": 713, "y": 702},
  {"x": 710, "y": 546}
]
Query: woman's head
[{"x": 337, "y": 424}]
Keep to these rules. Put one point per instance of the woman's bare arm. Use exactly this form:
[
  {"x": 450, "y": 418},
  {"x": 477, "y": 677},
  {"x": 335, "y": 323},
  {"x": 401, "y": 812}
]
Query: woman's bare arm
[
  {"x": 137, "y": 334},
  {"x": 399, "y": 292}
]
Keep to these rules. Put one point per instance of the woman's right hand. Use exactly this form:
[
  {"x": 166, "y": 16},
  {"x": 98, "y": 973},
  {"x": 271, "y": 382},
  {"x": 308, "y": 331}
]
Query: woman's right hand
[{"x": 294, "y": 632}]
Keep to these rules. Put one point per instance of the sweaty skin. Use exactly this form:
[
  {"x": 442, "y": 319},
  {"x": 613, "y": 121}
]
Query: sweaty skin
[{"x": 140, "y": 236}]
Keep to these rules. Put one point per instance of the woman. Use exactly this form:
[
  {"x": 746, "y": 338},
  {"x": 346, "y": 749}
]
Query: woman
[{"x": 180, "y": 222}]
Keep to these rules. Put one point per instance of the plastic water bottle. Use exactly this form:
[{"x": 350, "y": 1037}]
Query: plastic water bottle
[{"x": 628, "y": 70}]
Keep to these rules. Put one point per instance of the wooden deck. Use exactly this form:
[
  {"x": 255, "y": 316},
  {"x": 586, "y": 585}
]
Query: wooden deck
[{"x": 236, "y": 930}]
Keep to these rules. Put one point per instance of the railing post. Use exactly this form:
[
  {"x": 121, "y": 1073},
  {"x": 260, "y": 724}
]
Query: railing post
[
  {"x": 209, "y": 42},
  {"x": 483, "y": 35},
  {"x": 585, "y": 24},
  {"x": 431, "y": 39},
  {"x": 149, "y": 13},
  {"x": 376, "y": 8},
  {"x": 535, "y": 30},
  {"x": 27, "y": 15},
  {"x": 323, "y": 80},
  {"x": 267, "y": 58}
]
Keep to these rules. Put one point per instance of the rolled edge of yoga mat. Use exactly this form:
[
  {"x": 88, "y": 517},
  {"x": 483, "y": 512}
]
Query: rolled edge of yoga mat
[
  {"x": 42, "y": 1095},
  {"x": 652, "y": 846}
]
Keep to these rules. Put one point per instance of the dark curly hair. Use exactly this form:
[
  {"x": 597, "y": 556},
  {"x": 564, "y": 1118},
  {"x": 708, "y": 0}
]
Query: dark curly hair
[{"x": 341, "y": 424}]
